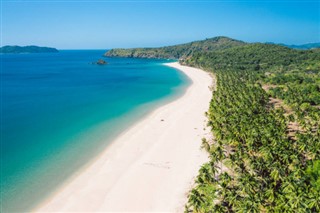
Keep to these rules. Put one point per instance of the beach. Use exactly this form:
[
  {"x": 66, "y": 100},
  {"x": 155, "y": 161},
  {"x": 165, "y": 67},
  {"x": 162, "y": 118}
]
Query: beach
[{"x": 151, "y": 166}]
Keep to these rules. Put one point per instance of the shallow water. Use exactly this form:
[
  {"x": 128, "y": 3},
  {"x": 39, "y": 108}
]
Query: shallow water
[{"x": 59, "y": 110}]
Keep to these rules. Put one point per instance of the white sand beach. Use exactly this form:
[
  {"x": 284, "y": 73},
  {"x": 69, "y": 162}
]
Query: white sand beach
[{"x": 150, "y": 167}]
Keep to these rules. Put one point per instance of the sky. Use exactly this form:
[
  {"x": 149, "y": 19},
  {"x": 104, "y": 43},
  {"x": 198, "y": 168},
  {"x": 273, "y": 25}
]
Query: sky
[{"x": 105, "y": 24}]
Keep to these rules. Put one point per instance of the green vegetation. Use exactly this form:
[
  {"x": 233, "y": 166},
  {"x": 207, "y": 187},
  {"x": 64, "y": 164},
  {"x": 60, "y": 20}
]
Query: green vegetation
[
  {"x": 265, "y": 157},
  {"x": 177, "y": 51},
  {"x": 313, "y": 173},
  {"x": 257, "y": 56},
  {"x": 265, "y": 118},
  {"x": 27, "y": 49}
]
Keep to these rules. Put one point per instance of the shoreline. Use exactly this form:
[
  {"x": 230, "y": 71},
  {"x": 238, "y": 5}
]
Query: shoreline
[{"x": 151, "y": 173}]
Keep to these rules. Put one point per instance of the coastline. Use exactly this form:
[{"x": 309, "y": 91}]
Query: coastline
[{"x": 155, "y": 170}]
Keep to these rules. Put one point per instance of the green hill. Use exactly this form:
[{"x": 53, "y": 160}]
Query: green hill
[
  {"x": 264, "y": 116},
  {"x": 177, "y": 51},
  {"x": 27, "y": 49},
  {"x": 256, "y": 56}
]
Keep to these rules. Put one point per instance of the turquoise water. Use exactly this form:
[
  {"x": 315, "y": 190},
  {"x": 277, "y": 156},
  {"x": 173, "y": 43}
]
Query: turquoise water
[{"x": 59, "y": 110}]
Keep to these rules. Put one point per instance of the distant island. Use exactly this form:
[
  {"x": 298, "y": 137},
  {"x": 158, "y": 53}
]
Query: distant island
[
  {"x": 27, "y": 49},
  {"x": 300, "y": 46},
  {"x": 305, "y": 46}
]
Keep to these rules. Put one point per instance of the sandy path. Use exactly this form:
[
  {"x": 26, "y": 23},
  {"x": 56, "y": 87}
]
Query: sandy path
[{"x": 150, "y": 167}]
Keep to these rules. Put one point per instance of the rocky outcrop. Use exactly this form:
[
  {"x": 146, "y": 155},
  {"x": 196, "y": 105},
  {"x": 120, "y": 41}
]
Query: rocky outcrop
[{"x": 101, "y": 62}]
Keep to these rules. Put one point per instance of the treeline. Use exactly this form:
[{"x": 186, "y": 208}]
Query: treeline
[
  {"x": 294, "y": 75},
  {"x": 263, "y": 158},
  {"x": 27, "y": 49},
  {"x": 177, "y": 51},
  {"x": 258, "y": 56}
]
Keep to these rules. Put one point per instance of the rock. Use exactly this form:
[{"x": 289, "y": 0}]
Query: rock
[{"x": 101, "y": 62}]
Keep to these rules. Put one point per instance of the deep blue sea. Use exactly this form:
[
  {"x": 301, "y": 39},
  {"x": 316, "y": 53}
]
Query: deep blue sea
[{"x": 58, "y": 110}]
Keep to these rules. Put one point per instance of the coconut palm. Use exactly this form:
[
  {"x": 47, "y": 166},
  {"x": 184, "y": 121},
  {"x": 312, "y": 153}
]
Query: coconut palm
[{"x": 267, "y": 171}]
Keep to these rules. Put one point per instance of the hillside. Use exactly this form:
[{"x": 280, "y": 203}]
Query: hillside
[
  {"x": 265, "y": 119},
  {"x": 177, "y": 51},
  {"x": 27, "y": 49},
  {"x": 256, "y": 56}
]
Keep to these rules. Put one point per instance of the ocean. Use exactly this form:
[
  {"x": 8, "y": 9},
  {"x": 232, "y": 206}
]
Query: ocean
[{"x": 59, "y": 110}]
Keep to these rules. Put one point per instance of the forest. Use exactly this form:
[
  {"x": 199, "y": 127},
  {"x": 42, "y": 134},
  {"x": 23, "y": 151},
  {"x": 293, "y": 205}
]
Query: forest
[
  {"x": 177, "y": 51},
  {"x": 264, "y": 116}
]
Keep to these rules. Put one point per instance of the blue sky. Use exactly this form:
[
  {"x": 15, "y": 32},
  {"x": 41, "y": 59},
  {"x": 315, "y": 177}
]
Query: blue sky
[{"x": 106, "y": 24}]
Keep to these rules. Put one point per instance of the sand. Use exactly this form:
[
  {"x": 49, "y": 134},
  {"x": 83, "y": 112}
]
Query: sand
[{"x": 149, "y": 168}]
